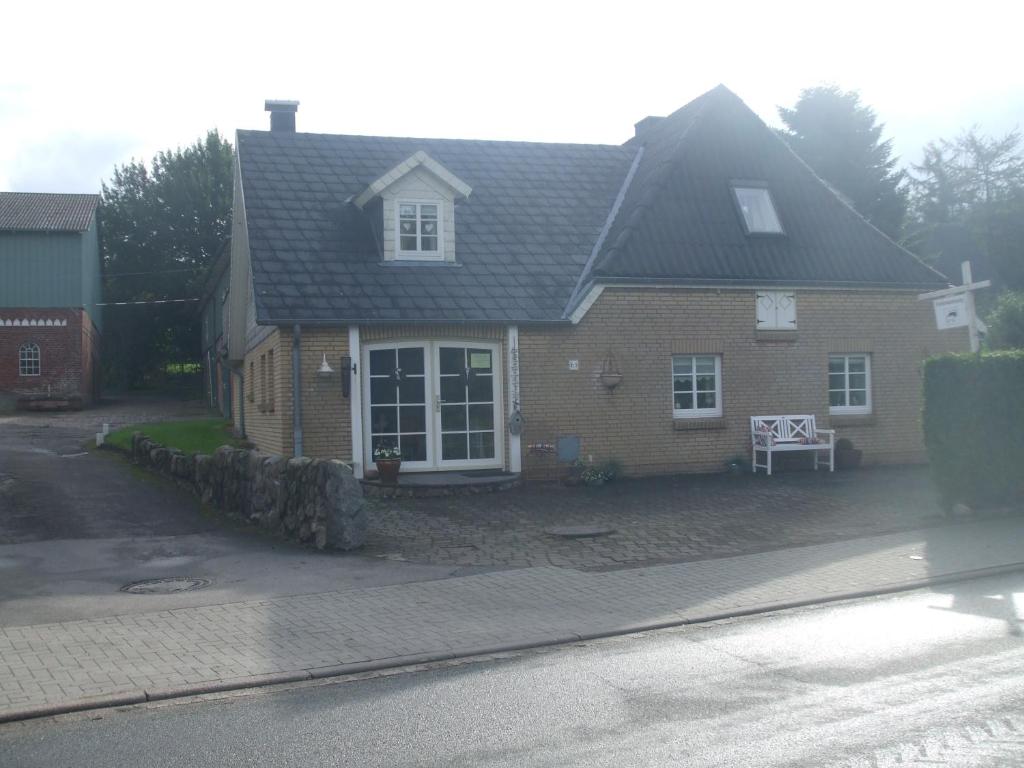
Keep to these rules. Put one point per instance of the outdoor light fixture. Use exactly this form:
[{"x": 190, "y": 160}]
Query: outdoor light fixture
[
  {"x": 325, "y": 369},
  {"x": 347, "y": 369}
]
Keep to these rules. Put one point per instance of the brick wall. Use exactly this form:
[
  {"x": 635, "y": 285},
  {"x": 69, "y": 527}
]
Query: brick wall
[
  {"x": 642, "y": 329},
  {"x": 326, "y": 422},
  {"x": 65, "y": 351},
  {"x": 267, "y": 393}
]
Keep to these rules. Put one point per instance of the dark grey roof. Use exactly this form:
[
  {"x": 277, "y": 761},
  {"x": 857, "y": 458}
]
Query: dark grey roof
[
  {"x": 527, "y": 231},
  {"x": 679, "y": 220},
  {"x": 46, "y": 212},
  {"x": 521, "y": 240}
]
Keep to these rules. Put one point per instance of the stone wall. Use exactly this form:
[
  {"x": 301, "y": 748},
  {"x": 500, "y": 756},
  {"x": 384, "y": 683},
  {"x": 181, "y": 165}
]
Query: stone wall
[{"x": 312, "y": 501}]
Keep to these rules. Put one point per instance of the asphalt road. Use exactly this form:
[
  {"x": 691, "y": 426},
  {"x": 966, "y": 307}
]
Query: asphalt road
[
  {"x": 77, "y": 525},
  {"x": 924, "y": 678}
]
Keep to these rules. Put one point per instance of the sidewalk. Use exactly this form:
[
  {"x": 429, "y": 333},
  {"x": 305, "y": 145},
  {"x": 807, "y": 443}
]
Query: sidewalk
[{"x": 127, "y": 659}]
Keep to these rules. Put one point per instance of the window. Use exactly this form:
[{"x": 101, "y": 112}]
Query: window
[
  {"x": 759, "y": 217},
  {"x": 263, "y": 382},
  {"x": 696, "y": 386},
  {"x": 849, "y": 384},
  {"x": 776, "y": 310},
  {"x": 252, "y": 382},
  {"x": 29, "y": 360},
  {"x": 271, "y": 373},
  {"x": 419, "y": 230}
]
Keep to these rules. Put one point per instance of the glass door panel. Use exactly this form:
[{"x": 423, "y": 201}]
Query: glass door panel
[
  {"x": 398, "y": 401},
  {"x": 466, "y": 402}
]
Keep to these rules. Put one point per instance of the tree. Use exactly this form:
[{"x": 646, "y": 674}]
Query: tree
[
  {"x": 974, "y": 182},
  {"x": 161, "y": 228},
  {"x": 840, "y": 139},
  {"x": 1006, "y": 322}
]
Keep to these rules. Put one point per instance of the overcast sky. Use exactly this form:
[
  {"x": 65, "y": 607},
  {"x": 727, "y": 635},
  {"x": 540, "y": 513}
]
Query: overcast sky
[{"x": 88, "y": 85}]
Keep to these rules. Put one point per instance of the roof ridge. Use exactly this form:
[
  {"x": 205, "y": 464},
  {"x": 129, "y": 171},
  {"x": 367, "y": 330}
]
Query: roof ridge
[
  {"x": 845, "y": 202},
  {"x": 519, "y": 142},
  {"x": 658, "y": 180}
]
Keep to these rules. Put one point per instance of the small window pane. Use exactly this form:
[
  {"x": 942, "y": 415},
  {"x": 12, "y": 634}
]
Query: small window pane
[
  {"x": 837, "y": 399},
  {"x": 705, "y": 399},
  {"x": 453, "y": 360},
  {"x": 382, "y": 361},
  {"x": 705, "y": 365},
  {"x": 385, "y": 441},
  {"x": 858, "y": 381},
  {"x": 836, "y": 365},
  {"x": 836, "y": 381},
  {"x": 481, "y": 389},
  {"x": 858, "y": 397},
  {"x": 856, "y": 365},
  {"x": 453, "y": 418},
  {"x": 383, "y": 390},
  {"x": 453, "y": 389},
  {"x": 410, "y": 390},
  {"x": 684, "y": 401},
  {"x": 682, "y": 364},
  {"x": 414, "y": 447},
  {"x": 428, "y": 227},
  {"x": 407, "y": 211},
  {"x": 384, "y": 419},
  {"x": 480, "y": 360},
  {"x": 428, "y": 211},
  {"x": 682, "y": 384},
  {"x": 481, "y": 416},
  {"x": 413, "y": 418},
  {"x": 410, "y": 360},
  {"x": 428, "y": 243},
  {"x": 705, "y": 383},
  {"x": 408, "y": 243},
  {"x": 481, "y": 445},
  {"x": 453, "y": 446}
]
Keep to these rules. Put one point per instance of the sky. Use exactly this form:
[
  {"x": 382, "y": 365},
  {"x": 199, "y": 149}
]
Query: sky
[{"x": 88, "y": 86}]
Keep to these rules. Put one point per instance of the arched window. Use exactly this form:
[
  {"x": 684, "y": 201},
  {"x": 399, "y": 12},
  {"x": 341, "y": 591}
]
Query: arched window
[{"x": 28, "y": 360}]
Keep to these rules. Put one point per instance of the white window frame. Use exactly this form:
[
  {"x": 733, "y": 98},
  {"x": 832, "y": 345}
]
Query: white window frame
[
  {"x": 29, "y": 353},
  {"x": 419, "y": 255},
  {"x": 773, "y": 323},
  {"x": 695, "y": 412},
  {"x": 753, "y": 187},
  {"x": 850, "y": 410}
]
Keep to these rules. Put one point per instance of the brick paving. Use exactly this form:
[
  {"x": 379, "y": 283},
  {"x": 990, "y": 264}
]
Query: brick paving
[
  {"x": 149, "y": 653},
  {"x": 658, "y": 520}
]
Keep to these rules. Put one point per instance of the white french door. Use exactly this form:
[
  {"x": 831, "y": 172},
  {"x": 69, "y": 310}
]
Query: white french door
[{"x": 438, "y": 402}]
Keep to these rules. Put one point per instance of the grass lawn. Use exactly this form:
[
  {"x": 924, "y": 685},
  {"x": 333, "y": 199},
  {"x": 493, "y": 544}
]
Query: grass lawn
[{"x": 194, "y": 435}]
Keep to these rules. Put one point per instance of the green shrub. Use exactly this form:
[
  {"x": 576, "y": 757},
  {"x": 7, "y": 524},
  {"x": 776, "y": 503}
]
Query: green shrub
[
  {"x": 1006, "y": 322},
  {"x": 974, "y": 426}
]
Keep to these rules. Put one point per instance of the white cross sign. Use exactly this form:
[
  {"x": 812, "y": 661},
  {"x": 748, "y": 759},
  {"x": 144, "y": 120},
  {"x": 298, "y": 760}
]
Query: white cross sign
[{"x": 954, "y": 306}]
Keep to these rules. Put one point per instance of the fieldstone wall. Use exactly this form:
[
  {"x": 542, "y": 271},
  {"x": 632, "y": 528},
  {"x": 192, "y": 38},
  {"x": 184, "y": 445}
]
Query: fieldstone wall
[{"x": 314, "y": 501}]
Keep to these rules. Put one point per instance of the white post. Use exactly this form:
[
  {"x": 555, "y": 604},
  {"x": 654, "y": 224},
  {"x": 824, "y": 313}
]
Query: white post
[
  {"x": 515, "y": 450},
  {"x": 972, "y": 319},
  {"x": 356, "y": 401}
]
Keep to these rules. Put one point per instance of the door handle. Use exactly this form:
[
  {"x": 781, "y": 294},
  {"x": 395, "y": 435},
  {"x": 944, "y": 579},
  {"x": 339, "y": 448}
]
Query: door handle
[{"x": 437, "y": 403}]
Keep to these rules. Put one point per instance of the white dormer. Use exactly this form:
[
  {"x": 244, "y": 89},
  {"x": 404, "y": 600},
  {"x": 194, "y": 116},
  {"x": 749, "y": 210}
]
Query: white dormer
[{"x": 417, "y": 209}]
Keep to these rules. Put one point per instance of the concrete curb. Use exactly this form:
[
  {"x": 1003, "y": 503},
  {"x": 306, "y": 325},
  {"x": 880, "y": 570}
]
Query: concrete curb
[{"x": 395, "y": 662}]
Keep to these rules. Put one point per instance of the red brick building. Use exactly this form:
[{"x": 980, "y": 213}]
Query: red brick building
[{"x": 50, "y": 283}]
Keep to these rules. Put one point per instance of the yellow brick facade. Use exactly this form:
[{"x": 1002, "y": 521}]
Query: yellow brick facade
[
  {"x": 642, "y": 328},
  {"x": 638, "y": 331}
]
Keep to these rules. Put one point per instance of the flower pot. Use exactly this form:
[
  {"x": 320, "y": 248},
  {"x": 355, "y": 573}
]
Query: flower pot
[
  {"x": 387, "y": 469},
  {"x": 611, "y": 380},
  {"x": 848, "y": 458}
]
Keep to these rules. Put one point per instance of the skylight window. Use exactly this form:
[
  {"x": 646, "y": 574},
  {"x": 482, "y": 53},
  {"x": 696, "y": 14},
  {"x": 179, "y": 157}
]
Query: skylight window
[{"x": 759, "y": 216}]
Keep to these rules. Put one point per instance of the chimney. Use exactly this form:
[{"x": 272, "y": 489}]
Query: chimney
[
  {"x": 282, "y": 115},
  {"x": 646, "y": 124}
]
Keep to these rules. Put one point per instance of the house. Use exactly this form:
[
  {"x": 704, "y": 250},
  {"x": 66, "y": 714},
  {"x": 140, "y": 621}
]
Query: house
[
  {"x": 513, "y": 306},
  {"x": 50, "y": 287},
  {"x": 213, "y": 306}
]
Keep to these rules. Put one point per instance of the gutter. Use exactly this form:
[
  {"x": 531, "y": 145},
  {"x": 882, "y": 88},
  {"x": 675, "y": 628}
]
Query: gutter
[{"x": 240, "y": 373}]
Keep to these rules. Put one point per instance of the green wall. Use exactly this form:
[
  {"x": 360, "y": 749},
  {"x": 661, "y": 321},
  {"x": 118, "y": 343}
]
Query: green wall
[{"x": 51, "y": 269}]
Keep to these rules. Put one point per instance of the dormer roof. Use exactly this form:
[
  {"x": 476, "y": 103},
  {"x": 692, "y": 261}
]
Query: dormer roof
[{"x": 418, "y": 159}]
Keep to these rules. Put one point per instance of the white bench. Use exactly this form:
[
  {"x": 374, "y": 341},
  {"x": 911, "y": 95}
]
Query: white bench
[{"x": 770, "y": 434}]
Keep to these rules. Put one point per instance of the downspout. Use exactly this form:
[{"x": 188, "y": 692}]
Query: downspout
[
  {"x": 297, "y": 389},
  {"x": 241, "y": 396}
]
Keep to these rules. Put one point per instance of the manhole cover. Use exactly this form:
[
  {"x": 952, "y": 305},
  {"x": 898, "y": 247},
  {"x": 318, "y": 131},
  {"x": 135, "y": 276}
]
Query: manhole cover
[
  {"x": 169, "y": 586},
  {"x": 579, "y": 531}
]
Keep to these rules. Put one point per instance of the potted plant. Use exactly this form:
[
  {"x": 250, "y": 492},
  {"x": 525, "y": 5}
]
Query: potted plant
[
  {"x": 737, "y": 465},
  {"x": 847, "y": 457},
  {"x": 388, "y": 460}
]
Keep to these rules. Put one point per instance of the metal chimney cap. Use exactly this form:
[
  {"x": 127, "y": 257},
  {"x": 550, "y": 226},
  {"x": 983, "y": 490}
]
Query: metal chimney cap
[{"x": 279, "y": 105}]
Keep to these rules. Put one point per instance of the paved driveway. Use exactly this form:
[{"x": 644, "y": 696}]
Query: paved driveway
[
  {"x": 76, "y": 526},
  {"x": 654, "y": 521}
]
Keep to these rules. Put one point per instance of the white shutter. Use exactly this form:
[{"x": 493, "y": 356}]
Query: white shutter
[{"x": 776, "y": 310}]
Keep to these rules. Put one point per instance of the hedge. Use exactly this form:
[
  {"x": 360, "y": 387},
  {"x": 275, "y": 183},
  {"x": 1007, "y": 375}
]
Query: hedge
[{"x": 974, "y": 426}]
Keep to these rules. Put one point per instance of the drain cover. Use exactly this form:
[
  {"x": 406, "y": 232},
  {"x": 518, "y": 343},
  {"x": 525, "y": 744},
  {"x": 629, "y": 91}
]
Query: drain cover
[
  {"x": 168, "y": 586},
  {"x": 579, "y": 531}
]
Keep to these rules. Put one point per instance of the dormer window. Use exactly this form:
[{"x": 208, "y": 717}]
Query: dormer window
[
  {"x": 757, "y": 210},
  {"x": 419, "y": 229}
]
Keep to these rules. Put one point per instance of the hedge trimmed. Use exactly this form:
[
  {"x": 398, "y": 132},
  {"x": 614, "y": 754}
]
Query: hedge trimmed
[{"x": 974, "y": 426}]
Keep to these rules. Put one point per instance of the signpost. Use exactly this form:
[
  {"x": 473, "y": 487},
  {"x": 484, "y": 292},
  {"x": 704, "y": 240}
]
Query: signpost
[{"x": 954, "y": 307}]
